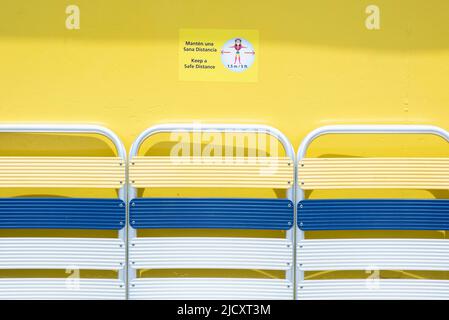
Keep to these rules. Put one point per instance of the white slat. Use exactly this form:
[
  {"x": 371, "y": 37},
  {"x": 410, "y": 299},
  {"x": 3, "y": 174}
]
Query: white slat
[
  {"x": 362, "y": 254},
  {"x": 60, "y": 289},
  {"x": 359, "y": 289},
  {"x": 62, "y": 253},
  {"x": 210, "y": 289},
  {"x": 219, "y": 253}
]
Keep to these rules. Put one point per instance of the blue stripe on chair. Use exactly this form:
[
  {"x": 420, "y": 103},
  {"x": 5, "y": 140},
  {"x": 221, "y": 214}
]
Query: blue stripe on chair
[
  {"x": 213, "y": 213},
  {"x": 373, "y": 214},
  {"x": 62, "y": 213}
]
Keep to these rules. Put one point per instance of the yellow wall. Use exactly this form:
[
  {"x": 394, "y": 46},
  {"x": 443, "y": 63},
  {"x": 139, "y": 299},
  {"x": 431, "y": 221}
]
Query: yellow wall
[{"x": 318, "y": 65}]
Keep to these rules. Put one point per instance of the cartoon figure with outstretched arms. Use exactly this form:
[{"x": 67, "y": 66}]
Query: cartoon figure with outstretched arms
[
  {"x": 237, "y": 54},
  {"x": 237, "y": 47}
]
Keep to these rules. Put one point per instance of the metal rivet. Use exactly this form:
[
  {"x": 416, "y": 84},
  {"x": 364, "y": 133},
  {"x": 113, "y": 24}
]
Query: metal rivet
[
  {"x": 132, "y": 163},
  {"x": 133, "y": 222},
  {"x": 133, "y": 181},
  {"x": 302, "y": 182},
  {"x": 300, "y": 223},
  {"x": 121, "y": 205},
  {"x": 289, "y": 223},
  {"x": 289, "y": 182},
  {"x": 121, "y": 182},
  {"x": 300, "y": 205},
  {"x": 133, "y": 204},
  {"x": 289, "y": 205},
  {"x": 121, "y": 223}
]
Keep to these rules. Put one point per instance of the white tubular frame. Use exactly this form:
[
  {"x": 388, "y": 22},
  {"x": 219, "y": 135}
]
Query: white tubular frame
[
  {"x": 223, "y": 128},
  {"x": 80, "y": 129},
  {"x": 352, "y": 129}
]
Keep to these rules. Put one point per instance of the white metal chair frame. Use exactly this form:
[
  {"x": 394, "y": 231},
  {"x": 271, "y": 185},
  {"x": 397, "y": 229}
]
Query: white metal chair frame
[
  {"x": 218, "y": 128},
  {"x": 352, "y": 129},
  {"x": 80, "y": 129}
]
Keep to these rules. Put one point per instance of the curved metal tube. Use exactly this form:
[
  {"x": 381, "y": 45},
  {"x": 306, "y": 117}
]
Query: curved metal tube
[
  {"x": 181, "y": 127},
  {"x": 369, "y": 129},
  {"x": 193, "y": 127},
  {"x": 67, "y": 128}
]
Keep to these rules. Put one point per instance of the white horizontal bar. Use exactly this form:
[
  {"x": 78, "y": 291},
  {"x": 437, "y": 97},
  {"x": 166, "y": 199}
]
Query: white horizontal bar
[
  {"x": 67, "y": 128},
  {"x": 369, "y": 129},
  {"x": 62, "y": 253},
  {"x": 206, "y": 253},
  {"x": 210, "y": 289},
  {"x": 227, "y": 128},
  {"x": 373, "y": 254},
  {"x": 403, "y": 289},
  {"x": 60, "y": 289}
]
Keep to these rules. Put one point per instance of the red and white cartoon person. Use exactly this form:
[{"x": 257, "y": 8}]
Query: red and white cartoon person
[{"x": 237, "y": 47}]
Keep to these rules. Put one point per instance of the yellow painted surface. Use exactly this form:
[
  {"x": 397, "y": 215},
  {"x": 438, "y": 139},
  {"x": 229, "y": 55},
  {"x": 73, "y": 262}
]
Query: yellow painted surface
[{"x": 317, "y": 65}]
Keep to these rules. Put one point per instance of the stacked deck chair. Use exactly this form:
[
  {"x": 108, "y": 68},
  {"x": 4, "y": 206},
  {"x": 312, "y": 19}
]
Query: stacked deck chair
[
  {"x": 211, "y": 253},
  {"x": 67, "y": 255},
  {"x": 393, "y": 255}
]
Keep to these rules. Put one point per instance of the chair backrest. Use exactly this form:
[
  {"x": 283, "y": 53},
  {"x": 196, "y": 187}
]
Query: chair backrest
[
  {"x": 371, "y": 214},
  {"x": 71, "y": 254},
  {"x": 211, "y": 213}
]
